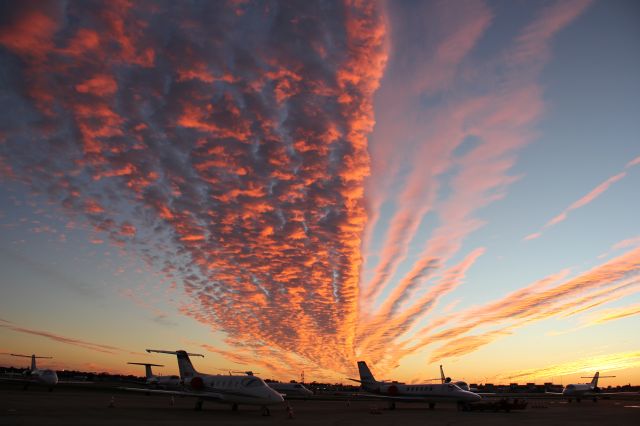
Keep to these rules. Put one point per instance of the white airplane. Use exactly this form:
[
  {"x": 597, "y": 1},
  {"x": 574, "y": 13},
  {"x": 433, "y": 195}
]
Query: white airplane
[
  {"x": 160, "y": 382},
  {"x": 401, "y": 392},
  {"x": 37, "y": 375},
  {"x": 226, "y": 389},
  {"x": 291, "y": 389},
  {"x": 585, "y": 390}
]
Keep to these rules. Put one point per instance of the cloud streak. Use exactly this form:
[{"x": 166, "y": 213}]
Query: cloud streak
[
  {"x": 589, "y": 364},
  {"x": 474, "y": 122},
  {"x": 586, "y": 199},
  {"x": 107, "y": 349}
]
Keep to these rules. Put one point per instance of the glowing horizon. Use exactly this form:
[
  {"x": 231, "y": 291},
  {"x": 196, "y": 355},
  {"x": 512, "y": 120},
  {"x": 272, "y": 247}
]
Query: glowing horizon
[{"x": 293, "y": 187}]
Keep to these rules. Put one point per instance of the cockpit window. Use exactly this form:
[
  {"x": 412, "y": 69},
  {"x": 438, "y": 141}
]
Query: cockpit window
[
  {"x": 251, "y": 382},
  {"x": 297, "y": 386}
]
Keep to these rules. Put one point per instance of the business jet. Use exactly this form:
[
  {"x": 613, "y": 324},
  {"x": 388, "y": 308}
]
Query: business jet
[
  {"x": 159, "y": 382},
  {"x": 226, "y": 389},
  {"x": 401, "y": 392},
  {"x": 291, "y": 389},
  {"x": 585, "y": 390},
  {"x": 37, "y": 375}
]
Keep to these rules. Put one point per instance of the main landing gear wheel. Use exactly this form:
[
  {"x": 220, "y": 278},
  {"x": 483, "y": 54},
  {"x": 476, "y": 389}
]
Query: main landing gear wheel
[
  {"x": 265, "y": 411},
  {"x": 198, "y": 406},
  {"x": 234, "y": 407},
  {"x": 392, "y": 406},
  {"x": 432, "y": 405}
]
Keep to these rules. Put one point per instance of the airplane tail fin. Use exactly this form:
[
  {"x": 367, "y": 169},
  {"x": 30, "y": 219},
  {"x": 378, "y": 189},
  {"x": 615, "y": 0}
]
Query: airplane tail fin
[
  {"x": 365, "y": 373},
  {"x": 33, "y": 359},
  {"x": 594, "y": 379},
  {"x": 184, "y": 363},
  {"x": 147, "y": 367},
  {"x": 442, "y": 378}
]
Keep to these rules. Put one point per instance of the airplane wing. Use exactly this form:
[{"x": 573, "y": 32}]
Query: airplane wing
[
  {"x": 16, "y": 379},
  {"x": 203, "y": 395},
  {"x": 614, "y": 393},
  {"x": 391, "y": 398},
  {"x": 71, "y": 382},
  {"x": 220, "y": 395}
]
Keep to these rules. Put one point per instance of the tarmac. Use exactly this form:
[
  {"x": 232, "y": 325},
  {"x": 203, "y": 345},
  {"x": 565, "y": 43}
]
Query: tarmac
[{"x": 82, "y": 405}]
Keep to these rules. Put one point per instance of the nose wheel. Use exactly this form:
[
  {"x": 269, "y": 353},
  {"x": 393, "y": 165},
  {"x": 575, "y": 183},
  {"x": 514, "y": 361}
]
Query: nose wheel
[{"x": 265, "y": 411}]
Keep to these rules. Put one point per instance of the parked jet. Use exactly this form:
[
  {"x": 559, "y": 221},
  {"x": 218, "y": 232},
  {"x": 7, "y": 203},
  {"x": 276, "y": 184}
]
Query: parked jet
[
  {"x": 585, "y": 390},
  {"x": 227, "y": 389},
  {"x": 291, "y": 389},
  {"x": 161, "y": 382},
  {"x": 37, "y": 375},
  {"x": 401, "y": 392}
]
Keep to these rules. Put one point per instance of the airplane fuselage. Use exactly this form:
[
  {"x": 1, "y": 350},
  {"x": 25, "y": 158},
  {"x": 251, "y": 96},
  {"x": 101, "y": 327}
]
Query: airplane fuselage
[
  {"x": 234, "y": 389},
  {"x": 291, "y": 389},
  {"x": 430, "y": 393},
  {"x": 164, "y": 382},
  {"x": 579, "y": 390},
  {"x": 45, "y": 377}
]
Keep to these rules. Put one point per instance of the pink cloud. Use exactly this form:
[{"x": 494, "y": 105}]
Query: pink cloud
[
  {"x": 633, "y": 162},
  {"x": 62, "y": 339},
  {"x": 583, "y": 201}
]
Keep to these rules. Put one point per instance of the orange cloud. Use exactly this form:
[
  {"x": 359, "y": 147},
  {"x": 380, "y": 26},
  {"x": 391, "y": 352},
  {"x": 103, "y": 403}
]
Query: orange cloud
[
  {"x": 601, "y": 317},
  {"x": 539, "y": 301}
]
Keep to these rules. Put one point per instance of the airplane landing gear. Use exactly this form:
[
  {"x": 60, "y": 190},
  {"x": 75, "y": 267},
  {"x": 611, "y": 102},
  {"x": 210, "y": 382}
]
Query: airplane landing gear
[
  {"x": 577, "y": 399},
  {"x": 198, "y": 406},
  {"x": 392, "y": 405},
  {"x": 265, "y": 411},
  {"x": 234, "y": 407},
  {"x": 432, "y": 405}
]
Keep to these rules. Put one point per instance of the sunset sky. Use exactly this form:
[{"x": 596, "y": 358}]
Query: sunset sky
[{"x": 288, "y": 186}]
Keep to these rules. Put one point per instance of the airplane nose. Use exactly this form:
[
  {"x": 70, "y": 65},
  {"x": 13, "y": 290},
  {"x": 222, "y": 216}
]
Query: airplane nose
[{"x": 470, "y": 396}]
